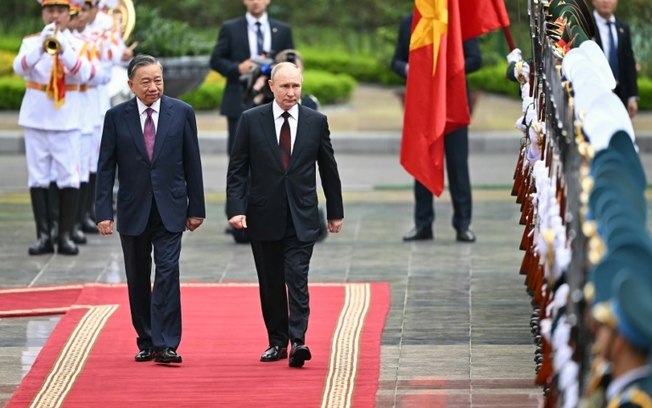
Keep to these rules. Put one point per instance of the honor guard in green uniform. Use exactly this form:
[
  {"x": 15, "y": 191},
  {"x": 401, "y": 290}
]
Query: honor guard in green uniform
[{"x": 625, "y": 339}]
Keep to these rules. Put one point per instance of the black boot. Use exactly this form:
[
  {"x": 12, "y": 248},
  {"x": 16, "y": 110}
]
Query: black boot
[
  {"x": 69, "y": 197},
  {"x": 88, "y": 219},
  {"x": 43, "y": 244},
  {"x": 53, "y": 208},
  {"x": 77, "y": 234}
]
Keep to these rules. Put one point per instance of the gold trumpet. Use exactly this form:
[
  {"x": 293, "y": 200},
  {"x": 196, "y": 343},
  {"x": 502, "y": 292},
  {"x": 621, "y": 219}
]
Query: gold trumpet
[{"x": 51, "y": 45}]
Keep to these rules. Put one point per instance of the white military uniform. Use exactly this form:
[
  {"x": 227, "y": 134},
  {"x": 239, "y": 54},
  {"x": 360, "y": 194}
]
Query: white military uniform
[{"x": 52, "y": 135}]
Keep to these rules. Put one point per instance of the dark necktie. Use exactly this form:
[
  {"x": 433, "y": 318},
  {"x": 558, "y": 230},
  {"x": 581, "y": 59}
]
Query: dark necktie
[
  {"x": 149, "y": 132},
  {"x": 613, "y": 51},
  {"x": 284, "y": 141},
  {"x": 259, "y": 38}
]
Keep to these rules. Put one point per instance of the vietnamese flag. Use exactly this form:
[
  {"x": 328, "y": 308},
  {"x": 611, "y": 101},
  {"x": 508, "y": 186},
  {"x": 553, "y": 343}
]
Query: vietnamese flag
[
  {"x": 482, "y": 16},
  {"x": 435, "y": 96}
]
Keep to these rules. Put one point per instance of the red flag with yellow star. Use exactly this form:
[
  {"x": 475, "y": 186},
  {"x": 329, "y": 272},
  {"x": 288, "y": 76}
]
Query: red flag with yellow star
[
  {"x": 482, "y": 16},
  {"x": 435, "y": 96}
]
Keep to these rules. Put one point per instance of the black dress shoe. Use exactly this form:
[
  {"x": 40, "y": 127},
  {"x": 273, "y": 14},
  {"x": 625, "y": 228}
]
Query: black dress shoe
[
  {"x": 78, "y": 236},
  {"x": 144, "y": 355},
  {"x": 167, "y": 355},
  {"x": 300, "y": 353},
  {"x": 274, "y": 353},
  {"x": 418, "y": 234},
  {"x": 88, "y": 225},
  {"x": 42, "y": 246},
  {"x": 465, "y": 236}
]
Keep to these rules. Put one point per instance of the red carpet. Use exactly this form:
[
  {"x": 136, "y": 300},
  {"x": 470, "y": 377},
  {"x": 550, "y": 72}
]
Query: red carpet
[
  {"x": 38, "y": 301},
  {"x": 88, "y": 360}
]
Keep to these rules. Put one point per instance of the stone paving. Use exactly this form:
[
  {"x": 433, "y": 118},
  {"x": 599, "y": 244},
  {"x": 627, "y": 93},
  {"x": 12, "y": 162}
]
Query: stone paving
[{"x": 457, "y": 334}]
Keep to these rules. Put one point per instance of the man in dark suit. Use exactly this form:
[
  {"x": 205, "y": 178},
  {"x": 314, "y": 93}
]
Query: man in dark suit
[
  {"x": 614, "y": 37},
  {"x": 240, "y": 41},
  {"x": 151, "y": 140},
  {"x": 456, "y": 151},
  {"x": 276, "y": 148}
]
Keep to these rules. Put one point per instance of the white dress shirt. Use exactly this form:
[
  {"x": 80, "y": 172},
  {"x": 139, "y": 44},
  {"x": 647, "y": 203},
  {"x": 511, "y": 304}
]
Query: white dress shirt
[
  {"x": 292, "y": 121},
  {"x": 156, "y": 107},
  {"x": 251, "y": 32}
]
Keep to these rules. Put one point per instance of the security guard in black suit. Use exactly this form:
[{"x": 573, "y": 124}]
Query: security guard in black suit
[
  {"x": 614, "y": 37},
  {"x": 241, "y": 40},
  {"x": 456, "y": 150}
]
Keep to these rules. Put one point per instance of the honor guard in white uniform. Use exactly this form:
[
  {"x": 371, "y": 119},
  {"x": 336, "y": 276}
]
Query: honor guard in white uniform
[
  {"x": 91, "y": 117},
  {"x": 54, "y": 72},
  {"x": 104, "y": 30}
]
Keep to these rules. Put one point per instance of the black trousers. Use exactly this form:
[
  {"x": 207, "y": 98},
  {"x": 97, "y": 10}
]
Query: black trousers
[
  {"x": 456, "y": 152},
  {"x": 155, "y": 312},
  {"x": 282, "y": 268}
]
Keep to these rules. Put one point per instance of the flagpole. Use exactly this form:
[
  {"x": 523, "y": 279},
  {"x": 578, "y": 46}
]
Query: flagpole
[{"x": 508, "y": 38}]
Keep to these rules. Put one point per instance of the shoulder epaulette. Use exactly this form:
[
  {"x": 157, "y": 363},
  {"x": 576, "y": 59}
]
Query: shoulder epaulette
[{"x": 633, "y": 396}]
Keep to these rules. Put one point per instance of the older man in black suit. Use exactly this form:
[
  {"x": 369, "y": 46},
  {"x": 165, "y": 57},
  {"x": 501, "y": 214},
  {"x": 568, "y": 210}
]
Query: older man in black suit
[
  {"x": 614, "y": 37},
  {"x": 152, "y": 141},
  {"x": 278, "y": 144}
]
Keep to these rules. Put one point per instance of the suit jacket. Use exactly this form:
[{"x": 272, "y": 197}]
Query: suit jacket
[
  {"x": 173, "y": 177},
  {"x": 627, "y": 86},
  {"x": 232, "y": 48},
  {"x": 273, "y": 191}
]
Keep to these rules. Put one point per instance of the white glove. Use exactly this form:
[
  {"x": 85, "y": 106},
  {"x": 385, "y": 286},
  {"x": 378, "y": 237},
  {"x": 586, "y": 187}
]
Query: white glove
[
  {"x": 63, "y": 43},
  {"x": 520, "y": 125},
  {"x": 514, "y": 56},
  {"x": 525, "y": 71},
  {"x": 48, "y": 31}
]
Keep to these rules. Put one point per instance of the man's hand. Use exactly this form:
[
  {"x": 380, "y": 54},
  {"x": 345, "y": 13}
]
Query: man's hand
[
  {"x": 105, "y": 227},
  {"x": 246, "y": 66},
  {"x": 238, "y": 221},
  {"x": 192, "y": 223},
  {"x": 632, "y": 107},
  {"x": 335, "y": 226}
]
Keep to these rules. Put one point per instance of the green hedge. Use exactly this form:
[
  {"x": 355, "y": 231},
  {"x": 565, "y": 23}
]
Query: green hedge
[
  {"x": 645, "y": 94},
  {"x": 363, "y": 68},
  {"x": 327, "y": 87},
  {"x": 207, "y": 96},
  {"x": 12, "y": 90},
  {"x": 492, "y": 79}
]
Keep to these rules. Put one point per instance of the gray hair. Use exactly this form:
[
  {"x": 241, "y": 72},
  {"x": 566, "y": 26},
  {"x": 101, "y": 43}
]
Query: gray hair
[
  {"x": 140, "y": 60},
  {"x": 283, "y": 65}
]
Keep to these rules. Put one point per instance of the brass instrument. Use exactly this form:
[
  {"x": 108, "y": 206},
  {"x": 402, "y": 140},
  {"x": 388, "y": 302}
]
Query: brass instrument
[
  {"x": 51, "y": 45},
  {"x": 125, "y": 14}
]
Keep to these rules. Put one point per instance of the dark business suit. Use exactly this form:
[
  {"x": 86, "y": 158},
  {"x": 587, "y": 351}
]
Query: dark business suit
[
  {"x": 281, "y": 210},
  {"x": 231, "y": 49},
  {"x": 456, "y": 143},
  {"x": 626, "y": 82},
  {"x": 154, "y": 201}
]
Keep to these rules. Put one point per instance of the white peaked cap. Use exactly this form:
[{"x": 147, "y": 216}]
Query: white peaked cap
[
  {"x": 595, "y": 54},
  {"x": 606, "y": 116},
  {"x": 110, "y": 3}
]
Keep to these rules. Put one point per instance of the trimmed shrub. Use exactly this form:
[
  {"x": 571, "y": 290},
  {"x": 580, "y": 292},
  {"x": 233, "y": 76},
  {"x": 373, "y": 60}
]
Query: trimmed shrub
[
  {"x": 492, "y": 79},
  {"x": 207, "y": 96},
  {"x": 6, "y": 62},
  {"x": 645, "y": 94},
  {"x": 328, "y": 88},
  {"x": 363, "y": 68},
  {"x": 12, "y": 90}
]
